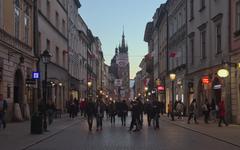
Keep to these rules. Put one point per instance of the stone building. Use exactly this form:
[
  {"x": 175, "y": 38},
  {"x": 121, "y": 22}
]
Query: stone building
[
  {"x": 235, "y": 58},
  {"x": 208, "y": 23},
  {"x": 177, "y": 49},
  {"x": 74, "y": 49},
  {"x": 120, "y": 70},
  {"x": 53, "y": 36},
  {"x": 17, "y": 61}
]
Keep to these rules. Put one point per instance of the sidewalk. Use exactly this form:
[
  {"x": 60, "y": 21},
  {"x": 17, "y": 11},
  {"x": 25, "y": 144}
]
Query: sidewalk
[
  {"x": 230, "y": 134},
  {"x": 17, "y": 136}
]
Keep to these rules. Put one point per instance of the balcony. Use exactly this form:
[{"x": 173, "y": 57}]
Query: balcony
[{"x": 13, "y": 42}]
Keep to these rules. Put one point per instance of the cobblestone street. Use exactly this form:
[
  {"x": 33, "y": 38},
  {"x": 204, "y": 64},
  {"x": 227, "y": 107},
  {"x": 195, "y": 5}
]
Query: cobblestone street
[{"x": 114, "y": 137}]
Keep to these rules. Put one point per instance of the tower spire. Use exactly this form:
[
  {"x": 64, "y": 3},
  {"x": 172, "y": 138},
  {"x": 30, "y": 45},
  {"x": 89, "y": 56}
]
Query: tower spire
[{"x": 123, "y": 38}]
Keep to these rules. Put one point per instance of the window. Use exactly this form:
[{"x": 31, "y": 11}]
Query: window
[
  {"x": 17, "y": 18},
  {"x": 57, "y": 19},
  {"x": 63, "y": 57},
  {"x": 26, "y": 24},
  {"x": 48, "y": 44},
  {"x": 39, "y": 41},
  {"x": 191, "y": 9},
  {"x": 1, "y": 9},
  {"x": 63, "y": 26},
  {"x": 39, "y": 4},
  {"x": 57, "y": 55},
  {"x": 219, "y": 38},
  {"x": 238, "y": 16},
  {"x": 203, "y": 44},
  {"x": 48, "y": 9},
  {"x": 192, "y": 50},
  {"x": 202, "y": 5}
]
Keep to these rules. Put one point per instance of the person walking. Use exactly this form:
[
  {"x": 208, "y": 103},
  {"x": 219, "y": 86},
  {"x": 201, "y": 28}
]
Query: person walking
[
  {"x": 156, "y": 105},
  {"x": 193, "y": 111},
  {"x": 214, "y": 109},
  {"x": 112, "y": 111},
  {"x": 3, "y": 110},
  {"x": 206, "y": 110},
  {"x": 99, "y": 109},
  {"x": 135, "y": 116},
  {"x": 140, "y": 112},
  {"x": 149, "y": 112},
  {"x": 90, "y": 111},
  {"x": 179, "y": 109},
  {"x": 123, "y": 112},
  {"x": 221, "y": 106}
]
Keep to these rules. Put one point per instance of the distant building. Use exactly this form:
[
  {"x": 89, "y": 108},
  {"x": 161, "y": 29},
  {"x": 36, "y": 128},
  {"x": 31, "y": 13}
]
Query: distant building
[{"x": 120, "y": 69}]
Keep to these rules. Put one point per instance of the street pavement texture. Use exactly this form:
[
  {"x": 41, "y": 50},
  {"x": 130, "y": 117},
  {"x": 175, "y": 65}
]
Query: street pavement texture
[{"x": 67, "y": 134}]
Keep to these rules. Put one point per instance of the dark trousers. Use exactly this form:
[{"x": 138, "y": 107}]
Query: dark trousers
[
  {"x": 206, "y": 116},
  {"x": 123, "y": 119},
  {"x": 141, "y": 119},
  {"x": 156, "y": 121},
  {"x": 192, "y": 115},
  {"x": 99, "y": 122},
  {"x": 149, "y": 118},
  {"x": 112, "y": 118},
  {"x": 90, "y": 122},
  {"x": 134, "y": 122},
  {"x": 2, "y": 120},
  {"x": 222, "y": 119}
]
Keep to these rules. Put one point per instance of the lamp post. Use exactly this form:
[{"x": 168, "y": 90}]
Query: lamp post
[
  {"x": 172, "y": 78},
  {"x": 45, "y": 59}
]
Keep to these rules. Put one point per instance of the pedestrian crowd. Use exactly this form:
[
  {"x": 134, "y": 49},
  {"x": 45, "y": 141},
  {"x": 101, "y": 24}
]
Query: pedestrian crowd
[{"x": 91, "y": 109}]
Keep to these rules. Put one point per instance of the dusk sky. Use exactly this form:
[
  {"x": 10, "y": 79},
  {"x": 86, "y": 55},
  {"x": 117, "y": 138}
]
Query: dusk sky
[{"x": 106, "y": 19}]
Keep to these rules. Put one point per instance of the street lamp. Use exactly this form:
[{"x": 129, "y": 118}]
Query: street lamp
[
  {"x": 89, "y": 84},
  {"x": 45, "y": 59},
  {"x": 172, "y": 78}
]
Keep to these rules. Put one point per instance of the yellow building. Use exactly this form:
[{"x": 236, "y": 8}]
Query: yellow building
[{"x": 17, "y": 60}]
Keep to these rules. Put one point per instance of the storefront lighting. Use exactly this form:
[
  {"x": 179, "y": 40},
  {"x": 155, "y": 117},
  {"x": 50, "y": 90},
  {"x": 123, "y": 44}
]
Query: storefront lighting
[
  {"x": 60, "y": 84},
  {"x": 89, "y": 83},
  {"x": 172, "y": 76},
  {"x": 223, "y": 73},
  {"x": 146, "y": 89}
]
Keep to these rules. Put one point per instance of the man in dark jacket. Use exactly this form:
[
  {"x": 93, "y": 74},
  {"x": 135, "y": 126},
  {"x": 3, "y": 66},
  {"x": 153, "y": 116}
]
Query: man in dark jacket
[
  {"x": 99, "y": 110},
  {"x": 90, "y": 111},
  {"x": 156, "y": 106},
  {"x": 123, "y": 112},
  {"x": 149, "y": 111},
  {"x": 135, "y": 116}
]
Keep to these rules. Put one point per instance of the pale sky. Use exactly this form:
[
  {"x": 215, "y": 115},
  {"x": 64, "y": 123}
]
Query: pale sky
[{"x": 106, "y": 19}]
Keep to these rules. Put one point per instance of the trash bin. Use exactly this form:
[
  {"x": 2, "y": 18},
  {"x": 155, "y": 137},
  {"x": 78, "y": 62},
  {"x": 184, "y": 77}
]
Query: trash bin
[{"x": 36, "y": 124}]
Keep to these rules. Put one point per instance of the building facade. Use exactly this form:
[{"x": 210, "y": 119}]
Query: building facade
[
  {"x": 53, "y": 36},
  {"x": 208, "y": 23},
  {"x": 74, "y": 50},
  {"x": 17, "y": 60},
  {"x": 235, "y": 58},
  {"x": 177, "y": 49}
]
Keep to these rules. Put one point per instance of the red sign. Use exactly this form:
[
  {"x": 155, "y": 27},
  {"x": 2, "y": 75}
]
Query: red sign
[
  {"x": 205, "y": 80},
  {"x": 172, "y": 54},
  {"x": 161, "y": 88}
]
